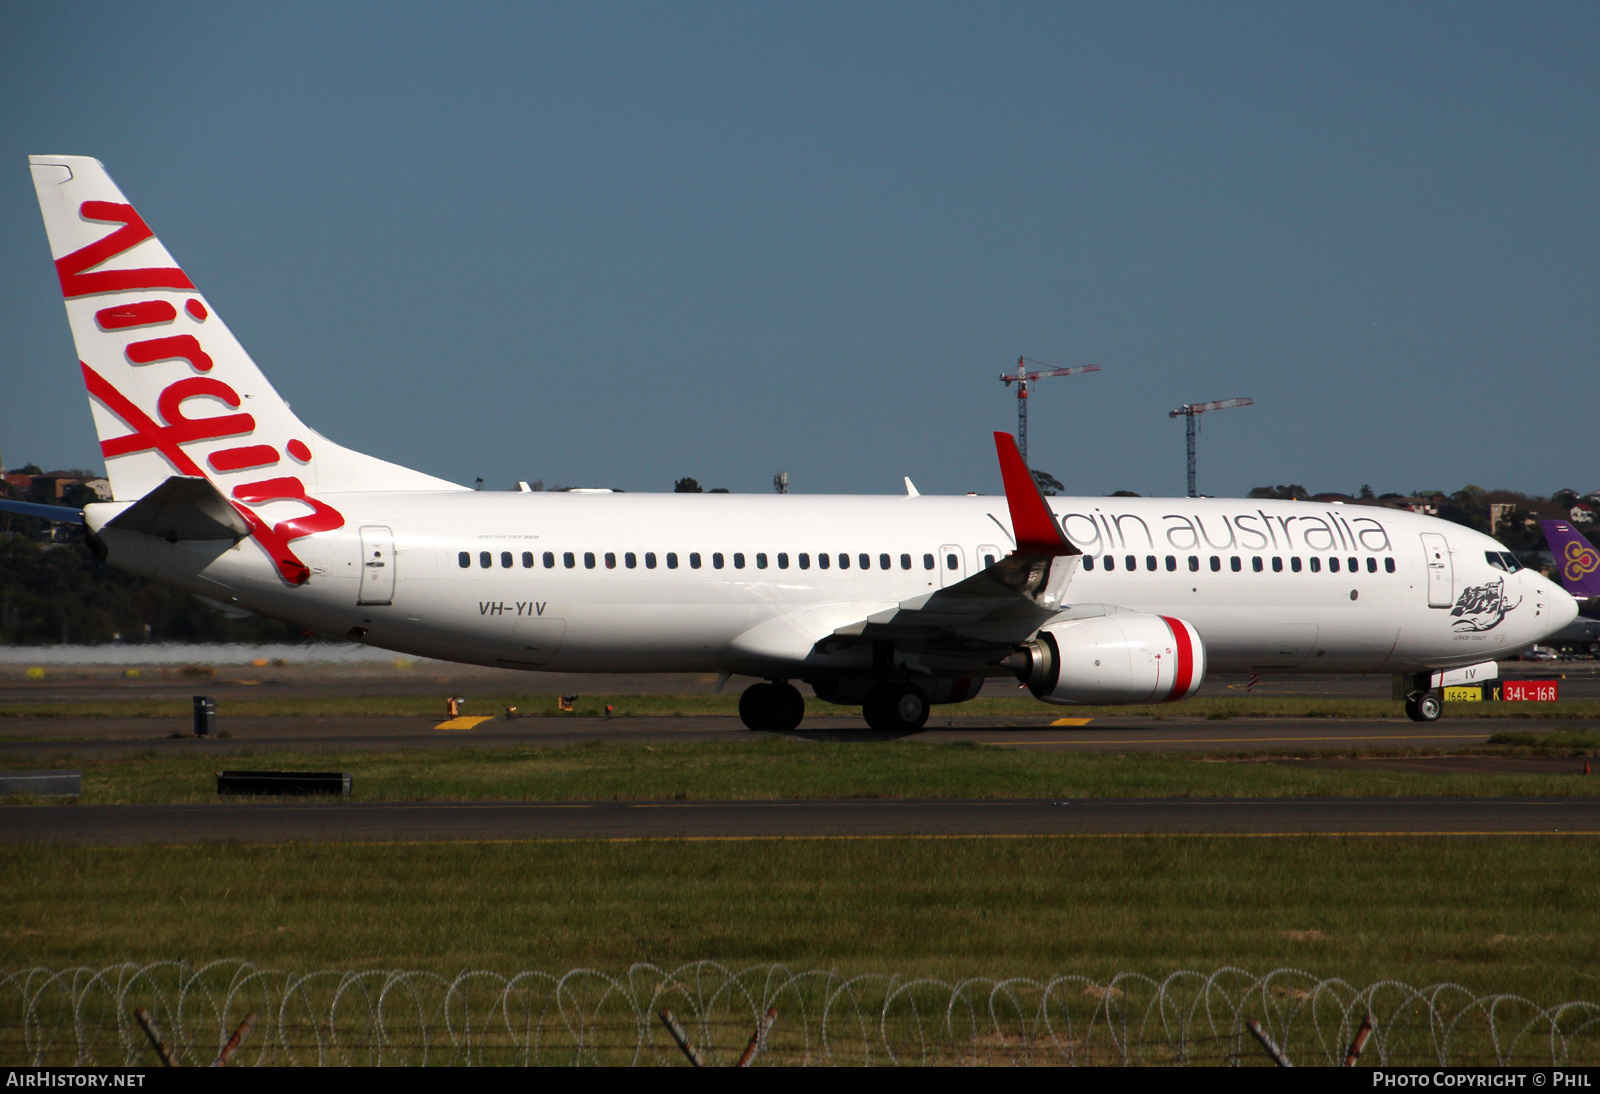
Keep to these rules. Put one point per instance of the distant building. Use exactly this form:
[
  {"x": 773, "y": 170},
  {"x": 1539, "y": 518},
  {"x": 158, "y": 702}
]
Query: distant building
[{"x": 1581, "y": 514}]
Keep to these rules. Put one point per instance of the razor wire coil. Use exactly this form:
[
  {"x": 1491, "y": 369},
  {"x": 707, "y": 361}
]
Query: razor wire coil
[{"x": 83, "y": 1016}]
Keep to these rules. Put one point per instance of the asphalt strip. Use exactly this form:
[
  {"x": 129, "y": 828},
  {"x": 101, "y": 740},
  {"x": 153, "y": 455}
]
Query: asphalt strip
[{"x": 423, "y": 822}]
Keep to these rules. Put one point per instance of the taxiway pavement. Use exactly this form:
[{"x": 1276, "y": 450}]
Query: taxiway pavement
[{"x": 275, "y": 822}]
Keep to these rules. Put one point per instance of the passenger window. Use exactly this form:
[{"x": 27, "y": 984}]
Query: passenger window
[
  {"x": 988, "y": 560},
  {"x": 549, "y": 560},
  {"x": 1333, "y": 565},
  {"x": 1150, "y": 562},
  {"x": 694, "y": 560},
  {"x": 1388, "y": 565},
  {"x": 883, "y": 562},
  {"x": 1355, "y": 565},
  {"x": 1088, "y": 562},
  {"x": 505, "y": 559},
  {"x": 1294, "y": 563},
  {"x": 952, "y": 562},
  {"x": 465, "y": 558},
  {"x": 1372, "y": 565},
  {"x": 1109, "y": 562},
  {"x": 823, "y": 561},
  {"x": 1194, "y": 564},
  {"x": 1235, "y": 564},
  {"x": 1132, "y": 563},
  {"x": 630, "y": 560},
  {"x": 783, "y": 560},
  {"x": 761, "y": 561},
  {"x": 1255, "y": 563},
  {"x": 568, "y": 559},
  {"x": 588, "y": 560},
  {"x": 611, "y": 560},
  {"x": 738, "y": 560},
  {"x": 927, "y": 562},
  {"x": 1172, "y": 562},
  {"x": 1316, "y": 564},
  {"x": 485, "y": 559},
  {"x": 804, "y": 560},
  {"x": 716, "y": 560},
  {"x": 865, "y": 561},
  {"x": 1216, "y": 564},
  {"x": 527, "y": 560},
  {"x": 1277, "y": 564},
  {"x": 649, "y": 560},
  {"x": 844, "y": 561},
  {"x": 672, "y": 560},
  {"x": 905, "y": 562}
]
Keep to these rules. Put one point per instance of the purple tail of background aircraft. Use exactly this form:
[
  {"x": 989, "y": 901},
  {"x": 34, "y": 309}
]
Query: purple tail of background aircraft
[{"x": 1577, "y": 562}]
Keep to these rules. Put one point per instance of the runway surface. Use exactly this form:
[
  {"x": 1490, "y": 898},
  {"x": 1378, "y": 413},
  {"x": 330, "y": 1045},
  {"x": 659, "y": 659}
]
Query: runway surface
[
  {"x": 28, "y": 741},
  {"x": 255, "y": 822}
]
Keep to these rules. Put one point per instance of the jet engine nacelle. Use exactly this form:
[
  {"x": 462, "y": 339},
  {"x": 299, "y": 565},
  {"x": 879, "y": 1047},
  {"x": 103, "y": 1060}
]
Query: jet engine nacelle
[{"x": 1112, "y": 659}]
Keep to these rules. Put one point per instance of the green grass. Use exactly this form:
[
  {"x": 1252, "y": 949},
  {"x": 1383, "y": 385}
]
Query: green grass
[
  {"x": 787, "y": 769},
  {"x": 1560, "y": 741},
  {"x": 1513, "y": 914},
  {"x": 624, "y": 706}
]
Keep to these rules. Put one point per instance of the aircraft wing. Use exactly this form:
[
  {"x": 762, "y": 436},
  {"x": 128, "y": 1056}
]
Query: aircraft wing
[{"x": 997, "y": 607}]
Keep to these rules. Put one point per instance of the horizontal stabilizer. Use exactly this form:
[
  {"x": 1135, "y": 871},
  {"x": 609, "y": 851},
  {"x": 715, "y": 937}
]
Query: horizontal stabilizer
[
  {"x": 62, "y": 513},
  {"x": 182, "y": 508}
]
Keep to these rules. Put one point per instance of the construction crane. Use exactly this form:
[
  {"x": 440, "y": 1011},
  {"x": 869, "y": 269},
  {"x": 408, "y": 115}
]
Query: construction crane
[
  {"x": 1191, "y": 411},
  {"x": 1021, "y": 378}
]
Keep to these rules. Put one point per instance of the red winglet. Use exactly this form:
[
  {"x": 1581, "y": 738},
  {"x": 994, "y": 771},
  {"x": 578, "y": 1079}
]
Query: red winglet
[{"x": 1036, "y": 529}]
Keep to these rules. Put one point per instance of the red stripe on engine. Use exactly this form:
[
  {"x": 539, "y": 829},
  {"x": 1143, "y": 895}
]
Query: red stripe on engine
[{"x": 1185, "y": 653}]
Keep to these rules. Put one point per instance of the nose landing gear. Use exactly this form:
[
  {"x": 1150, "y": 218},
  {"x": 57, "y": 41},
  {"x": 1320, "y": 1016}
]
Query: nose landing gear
[
  {"x": 775, "y": 706},
  {"x": 1424, "y": 707}
]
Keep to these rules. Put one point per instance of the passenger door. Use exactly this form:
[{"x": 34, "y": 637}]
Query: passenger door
[
  {"x": 1441, "y": 576},
  {"x": 377, "y": 566}
]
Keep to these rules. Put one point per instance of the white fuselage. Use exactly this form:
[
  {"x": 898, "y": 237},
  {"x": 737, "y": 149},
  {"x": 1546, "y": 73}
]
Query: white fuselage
[{"x": 548, "y": 582}]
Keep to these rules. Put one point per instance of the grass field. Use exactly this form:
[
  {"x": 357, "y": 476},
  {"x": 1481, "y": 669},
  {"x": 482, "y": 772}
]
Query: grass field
[
  {"x": 789, "y": 769},
  {"x": 623, "y": 706},
  {"x": 1514, "y": 914}
]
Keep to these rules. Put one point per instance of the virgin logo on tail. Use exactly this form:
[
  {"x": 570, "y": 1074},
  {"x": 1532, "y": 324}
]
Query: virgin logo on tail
[{"x": 79, "y": 277}]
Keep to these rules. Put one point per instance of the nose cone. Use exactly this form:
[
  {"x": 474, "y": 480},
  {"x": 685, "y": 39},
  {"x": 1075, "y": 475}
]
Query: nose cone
[{"x": 1558, "y": 607}]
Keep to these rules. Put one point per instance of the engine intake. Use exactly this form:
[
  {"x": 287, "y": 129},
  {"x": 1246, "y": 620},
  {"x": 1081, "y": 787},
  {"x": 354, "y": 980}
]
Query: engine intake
[{"x": 1112, "y": 659}]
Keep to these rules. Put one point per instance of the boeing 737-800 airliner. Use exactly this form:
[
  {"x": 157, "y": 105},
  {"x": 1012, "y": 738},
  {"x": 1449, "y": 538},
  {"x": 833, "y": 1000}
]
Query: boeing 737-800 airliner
[{"x": 892, "y": 603}]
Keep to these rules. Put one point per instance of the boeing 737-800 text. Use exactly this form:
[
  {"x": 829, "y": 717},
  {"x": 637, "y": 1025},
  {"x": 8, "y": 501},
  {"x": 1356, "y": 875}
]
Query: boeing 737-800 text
[{"x": 892, "y": 603}]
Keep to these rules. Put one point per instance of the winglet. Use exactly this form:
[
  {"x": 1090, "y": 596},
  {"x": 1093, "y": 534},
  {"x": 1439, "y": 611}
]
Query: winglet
[{"x": 1036, "y": 529}]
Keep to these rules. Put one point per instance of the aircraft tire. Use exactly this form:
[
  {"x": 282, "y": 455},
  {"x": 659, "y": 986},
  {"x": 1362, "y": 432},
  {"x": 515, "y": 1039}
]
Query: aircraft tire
[
  {"x": 896, "y": 708},
  {"x": 1426, "y": 707},
  {"x": 756, "y": 706},
  {"x": 787, "y": 707}
]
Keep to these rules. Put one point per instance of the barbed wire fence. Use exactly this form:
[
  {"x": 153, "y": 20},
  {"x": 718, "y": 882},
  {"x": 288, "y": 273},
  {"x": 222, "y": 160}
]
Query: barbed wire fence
[{"x": 85, "y": 1016}]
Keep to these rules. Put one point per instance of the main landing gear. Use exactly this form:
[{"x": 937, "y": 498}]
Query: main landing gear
[
  {"x": 894, "y": 706},
  {"x": 772, "y": 706}
]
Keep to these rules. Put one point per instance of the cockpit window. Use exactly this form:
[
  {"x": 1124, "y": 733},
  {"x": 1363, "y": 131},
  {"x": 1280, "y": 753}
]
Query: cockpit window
[{"x": 1512, "y": 565}]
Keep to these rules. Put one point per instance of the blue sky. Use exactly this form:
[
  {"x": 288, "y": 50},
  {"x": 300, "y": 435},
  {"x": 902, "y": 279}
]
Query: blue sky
[{"x": 615, "y": 244}]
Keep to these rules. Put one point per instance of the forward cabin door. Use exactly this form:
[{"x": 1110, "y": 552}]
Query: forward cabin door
[
  {"x": 1441, "y": 577},
  {"x": 377, "y": 566}
]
